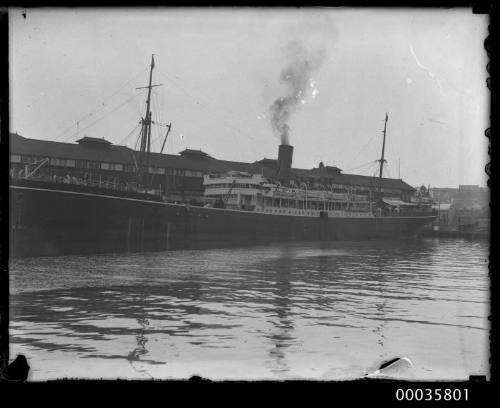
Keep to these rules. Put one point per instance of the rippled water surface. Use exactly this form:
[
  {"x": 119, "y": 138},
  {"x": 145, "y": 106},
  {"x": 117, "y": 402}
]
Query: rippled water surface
[{"x": 308, "y": 310}]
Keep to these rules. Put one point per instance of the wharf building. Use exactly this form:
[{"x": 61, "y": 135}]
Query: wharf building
[
  {"x": 180, "y": 177},
  {"x": 465, "y": 208}
]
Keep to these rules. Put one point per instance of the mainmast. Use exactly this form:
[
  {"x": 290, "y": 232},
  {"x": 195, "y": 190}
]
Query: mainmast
[
  {"x": 146, "y": 123},
  {"x": 382, "y": 160}
]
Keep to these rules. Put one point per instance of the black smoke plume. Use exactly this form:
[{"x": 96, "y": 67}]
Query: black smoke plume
[{"x": 297, "y": 77}]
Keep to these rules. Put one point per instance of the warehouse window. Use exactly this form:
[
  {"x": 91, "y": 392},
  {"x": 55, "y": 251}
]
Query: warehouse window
[
  {"x": 58, "y": 162},
  {"x": 15, "y": 158},
  {"x": 115, "y": 166},
  {"x": 194, "y": 173}
]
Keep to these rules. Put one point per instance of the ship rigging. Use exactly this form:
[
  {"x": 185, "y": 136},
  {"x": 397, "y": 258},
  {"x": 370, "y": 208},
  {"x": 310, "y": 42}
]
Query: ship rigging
[
  {"x": 94, "y": 198},
  {"x": 382, "y": 160},
  {"x": 146, "y": 122}
]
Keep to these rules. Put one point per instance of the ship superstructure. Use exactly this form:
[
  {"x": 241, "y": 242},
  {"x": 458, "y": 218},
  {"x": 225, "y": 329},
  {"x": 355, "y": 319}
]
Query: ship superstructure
[
  {"x": 284, "y": 195},
  {"x": 252, "y": 192}
]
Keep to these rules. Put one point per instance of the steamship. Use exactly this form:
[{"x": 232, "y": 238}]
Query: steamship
[{"x": 59, "y": 206}]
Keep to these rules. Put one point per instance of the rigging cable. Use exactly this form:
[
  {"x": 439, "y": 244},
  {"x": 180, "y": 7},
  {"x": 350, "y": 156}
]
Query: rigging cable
[
  {"x": 159, "y": 116},
  {"x": 362, "y": 165},
  {"x": 200, "y": 96},
  {"x": 367, "y": 169},
  {"x": 123, "y": 141},
  {"x": 205, "y": 104},
  {"x": 370, "y": 140},
  {"x": 137, "y": 141},
  {"x": 101, "y": 105},
  {"x": 101, "y": 118},
  {"x": 388, "y": 172}
]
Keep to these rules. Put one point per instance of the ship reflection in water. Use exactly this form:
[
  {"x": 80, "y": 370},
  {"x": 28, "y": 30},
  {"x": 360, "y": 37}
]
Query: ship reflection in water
[{"x": 312, "y": 310}]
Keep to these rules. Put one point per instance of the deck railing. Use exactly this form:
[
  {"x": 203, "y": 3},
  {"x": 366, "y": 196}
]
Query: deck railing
[
  {"x": 133, "y": 188},
  {"x": 101, "y": 184}
]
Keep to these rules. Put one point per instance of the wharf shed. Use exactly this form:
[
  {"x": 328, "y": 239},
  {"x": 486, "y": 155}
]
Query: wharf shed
[{"x": 179, "y": 176}]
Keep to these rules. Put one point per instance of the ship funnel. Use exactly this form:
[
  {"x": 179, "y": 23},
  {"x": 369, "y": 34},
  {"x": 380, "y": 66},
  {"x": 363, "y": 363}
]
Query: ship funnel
[{"x": 285, "y": 155}]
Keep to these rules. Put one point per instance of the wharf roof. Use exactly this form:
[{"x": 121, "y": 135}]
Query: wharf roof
[
  {"x": 353, "y": 179},
  {"x": 93, "y": 141},
  {"x": 189, "y": 159},
  {"x": 48, "y": 148},
  {"x": 194, "y": 153}
]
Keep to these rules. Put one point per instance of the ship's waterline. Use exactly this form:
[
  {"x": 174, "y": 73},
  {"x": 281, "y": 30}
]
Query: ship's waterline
[{"x": 316, "y": 310}]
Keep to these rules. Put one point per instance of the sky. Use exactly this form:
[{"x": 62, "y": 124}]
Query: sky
[{"x": 333, "y": 74}]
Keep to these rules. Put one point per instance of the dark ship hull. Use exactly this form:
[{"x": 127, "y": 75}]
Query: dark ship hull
[{"x": 48, "y": 219}]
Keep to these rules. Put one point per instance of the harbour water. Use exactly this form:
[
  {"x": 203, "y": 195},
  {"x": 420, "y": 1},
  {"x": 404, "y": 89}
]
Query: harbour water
[{"x": 327, "y": 311}]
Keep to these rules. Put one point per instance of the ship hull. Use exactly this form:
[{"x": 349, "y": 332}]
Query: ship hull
[{"x": 54, "y": 221}]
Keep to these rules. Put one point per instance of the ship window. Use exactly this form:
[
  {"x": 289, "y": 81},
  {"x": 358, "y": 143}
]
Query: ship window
[
  {"x": 104, "y": 166},
  {"x": 70, "y": 163},
  {"x": 119, "y": 167},
  {"x": 15, "y": 158}
]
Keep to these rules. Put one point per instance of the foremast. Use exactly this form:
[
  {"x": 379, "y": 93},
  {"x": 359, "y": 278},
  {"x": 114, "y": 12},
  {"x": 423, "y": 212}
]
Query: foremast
[
  {"x": 382, "y": 160},
  {"x": 146, "y": 122}
]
